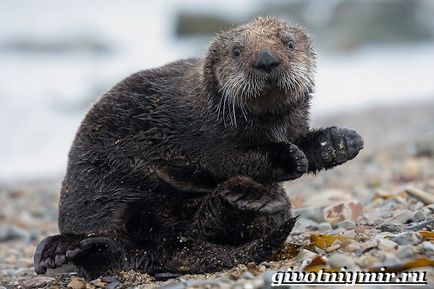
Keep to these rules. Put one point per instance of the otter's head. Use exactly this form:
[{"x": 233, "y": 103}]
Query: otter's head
[{"x": 261, "y": 64}]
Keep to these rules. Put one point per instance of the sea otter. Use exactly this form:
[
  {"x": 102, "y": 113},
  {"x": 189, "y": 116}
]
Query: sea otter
[{"x": 178, "y": 169}]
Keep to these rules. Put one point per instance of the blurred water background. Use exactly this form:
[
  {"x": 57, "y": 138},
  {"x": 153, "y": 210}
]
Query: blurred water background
[{"x": 57, "y": 57}]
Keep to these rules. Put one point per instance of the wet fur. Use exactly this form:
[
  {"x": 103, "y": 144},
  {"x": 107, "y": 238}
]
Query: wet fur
[{"x": 161, "y": 178}]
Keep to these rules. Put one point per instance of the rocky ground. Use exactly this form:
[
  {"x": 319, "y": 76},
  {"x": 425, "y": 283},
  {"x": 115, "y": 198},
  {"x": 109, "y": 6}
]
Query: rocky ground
[{"x": 375, "y": 211}]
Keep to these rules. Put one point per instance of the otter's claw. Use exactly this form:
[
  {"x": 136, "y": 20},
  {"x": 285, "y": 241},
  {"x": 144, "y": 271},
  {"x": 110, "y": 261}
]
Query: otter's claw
[{"x": 289, "y": 162}]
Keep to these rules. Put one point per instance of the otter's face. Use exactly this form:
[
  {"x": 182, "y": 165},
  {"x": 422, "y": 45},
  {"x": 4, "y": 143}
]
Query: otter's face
[{"x": 266, "y": 60}]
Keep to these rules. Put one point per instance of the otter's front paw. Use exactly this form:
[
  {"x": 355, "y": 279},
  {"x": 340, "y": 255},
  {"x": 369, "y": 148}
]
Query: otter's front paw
[
  {"x": 339, "y": 145},
  {"x": 288, "y": 162}
]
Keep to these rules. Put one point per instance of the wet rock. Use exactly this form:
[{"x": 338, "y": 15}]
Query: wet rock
[
  {"x": 325, "y": 227},
  {"x": 407, "y": 238},
  {"x": 37, "y": 282},
  {"x": 337, "y": 261},
  {"x": 346, "y": 224},
  {"x": 343, "y": 211}
]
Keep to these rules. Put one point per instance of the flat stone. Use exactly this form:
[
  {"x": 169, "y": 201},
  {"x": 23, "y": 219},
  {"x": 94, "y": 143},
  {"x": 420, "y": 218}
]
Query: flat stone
[
  {"x": 407, "y": 238},
  {"x": 350, "y": 210},
  {"x": 346, "y": 224},
  {"x": 401, "y": 217}
]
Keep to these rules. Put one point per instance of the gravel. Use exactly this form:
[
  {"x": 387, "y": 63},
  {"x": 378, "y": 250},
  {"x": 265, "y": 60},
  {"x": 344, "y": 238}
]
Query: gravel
[{"x": 380, "y": 218}]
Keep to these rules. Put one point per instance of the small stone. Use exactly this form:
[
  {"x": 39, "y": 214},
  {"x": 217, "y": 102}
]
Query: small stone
[
  {"x": 344, "y": 211},
  {"x": 393, "y": 228},
  {"x": 385, "y": 244},
  {"x": 37, "y": 282},
  {"x": 418, "y": 216},
  {"x": 352, "y": 246},
  {"x": 347, "y": 225},
  {"x": 405, "y": 252},
  {"x": 325, "y": 227},
  {"x": 407, "y": 238},
  {"x": 337, "y": 261},
  {"x": 76, "y": 283},
  {"x": 402, "y": 217}
]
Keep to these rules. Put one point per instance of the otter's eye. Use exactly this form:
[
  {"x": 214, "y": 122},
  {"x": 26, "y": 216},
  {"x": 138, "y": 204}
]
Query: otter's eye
[
  {"x": 291, "y": 45},
  {"x": 236, "y": 51}
]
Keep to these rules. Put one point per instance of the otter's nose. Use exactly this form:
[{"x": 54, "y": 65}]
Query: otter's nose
[{"x": 266, "y": 61}]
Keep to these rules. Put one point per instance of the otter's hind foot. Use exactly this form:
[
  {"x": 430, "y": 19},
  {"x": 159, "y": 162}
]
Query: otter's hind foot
[
  {"x": 245, "y": 194},
  {"x": 93, "y": 254}
]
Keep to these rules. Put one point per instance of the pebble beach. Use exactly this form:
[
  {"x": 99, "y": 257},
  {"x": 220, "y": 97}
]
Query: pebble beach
[{"x": 374, "y": 211}]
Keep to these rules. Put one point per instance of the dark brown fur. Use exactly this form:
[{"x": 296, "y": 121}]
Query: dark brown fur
[{"x": 178, "y": 169}]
